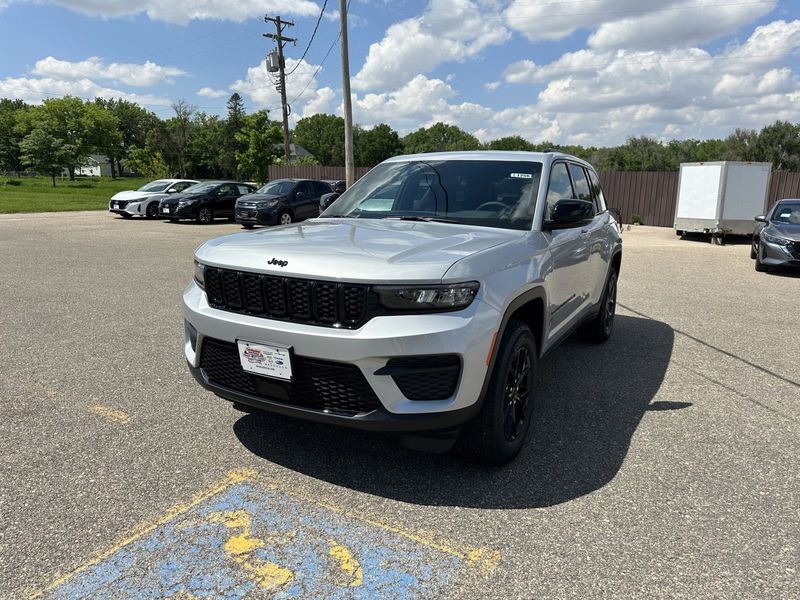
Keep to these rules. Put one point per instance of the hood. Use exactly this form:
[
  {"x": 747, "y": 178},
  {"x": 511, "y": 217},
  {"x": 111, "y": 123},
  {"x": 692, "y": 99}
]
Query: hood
[
  {"x": 132, "y": 195},
  {"x": 357, "y": 250},
  {"x": 260, "y": 197},
  {"x": 175, "y": 198},
  {"x": 789, "y": 231}
]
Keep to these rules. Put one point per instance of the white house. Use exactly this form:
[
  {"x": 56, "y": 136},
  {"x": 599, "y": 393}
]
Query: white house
[{"x": 96, "y": 165}]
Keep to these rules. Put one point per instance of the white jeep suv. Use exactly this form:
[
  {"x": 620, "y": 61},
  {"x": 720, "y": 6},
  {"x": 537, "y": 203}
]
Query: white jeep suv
[{"x": 419, "y": 302}]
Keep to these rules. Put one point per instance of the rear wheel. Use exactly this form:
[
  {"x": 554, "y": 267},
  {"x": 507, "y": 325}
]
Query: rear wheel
[
  {"x": 599, "y": 329},
  {"x": 497, "y": 433},
  {"x": 205, "y": 215},
  {"x": 152, "y": 210}
]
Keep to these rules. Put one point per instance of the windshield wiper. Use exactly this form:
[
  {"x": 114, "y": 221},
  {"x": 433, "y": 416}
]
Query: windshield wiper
[{"x": 426, "y": 219}]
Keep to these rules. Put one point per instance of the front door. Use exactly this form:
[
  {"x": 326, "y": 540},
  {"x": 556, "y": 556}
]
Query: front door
[{"x": 226, "y": 200}]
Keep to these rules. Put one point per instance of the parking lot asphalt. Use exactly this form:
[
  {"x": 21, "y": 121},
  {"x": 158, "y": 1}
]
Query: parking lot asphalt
[{"x": 665, "y": 463}]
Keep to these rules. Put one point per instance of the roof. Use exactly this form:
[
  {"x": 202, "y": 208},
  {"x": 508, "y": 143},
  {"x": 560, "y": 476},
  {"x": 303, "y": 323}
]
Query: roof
[{"x": 486, "y": 155}]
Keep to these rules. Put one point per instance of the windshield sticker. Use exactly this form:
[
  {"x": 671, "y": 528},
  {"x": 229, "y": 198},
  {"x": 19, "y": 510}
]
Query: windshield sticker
[{"x": 522, "y": 175}]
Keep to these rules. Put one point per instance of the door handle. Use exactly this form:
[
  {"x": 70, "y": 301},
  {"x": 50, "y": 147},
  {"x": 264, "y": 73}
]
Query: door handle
[{"x": 584, "y": 234}]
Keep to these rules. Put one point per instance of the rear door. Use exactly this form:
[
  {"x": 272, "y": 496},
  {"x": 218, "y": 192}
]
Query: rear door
[
  {"x": 226, "y": 200},
  {"x": 320, "y": 188},
  {"x": 595, "y": 233},
  {"x": 303, "y": 197}
]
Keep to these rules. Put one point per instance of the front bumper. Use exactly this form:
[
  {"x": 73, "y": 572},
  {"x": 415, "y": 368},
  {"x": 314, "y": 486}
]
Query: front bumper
[
  {"x": 175, "y": 212},
  {"x": 467, "y": 333},
  {"x": 778, "y": 255},
  {"x": 129, "y": 208},
  {"x": 256, "y": 216}
]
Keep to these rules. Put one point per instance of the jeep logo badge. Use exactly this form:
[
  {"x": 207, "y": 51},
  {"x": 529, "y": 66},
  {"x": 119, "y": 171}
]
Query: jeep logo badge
[{"x": 280, "y": 263}]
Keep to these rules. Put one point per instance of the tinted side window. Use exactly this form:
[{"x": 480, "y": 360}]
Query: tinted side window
[
  {"x": 306, "y": 188},
  {"x": 225, "y": 190},
  {"x": 181, "y": 186},
  {"x": 321, "y": 188},
  {"x": 559, "y": 188},
  {"x": 599, "y": 199},
  {"x": 580, "y": 182}
]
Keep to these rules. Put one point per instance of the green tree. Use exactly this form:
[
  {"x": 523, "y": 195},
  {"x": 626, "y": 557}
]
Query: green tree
[
  {"x": 742, "y": 144},
  {"x": 232, "y": 145},
  {"x": 176, "y": 141},
  {"x": 134, "y": 125},
  {"x": 439, "y": 137},
  {"x": 147, "y": 161},
  {"x": 258, "y": 137},
  {"x": 511, "y": 142},
  {"x": 205, "y": 159},
  {"x": 10, "y": 153},
  {"x": 779, "y": 144},
  {"x": 372, "y": 146},
  {"x": 45, "y": 153},
  {"x": 323, "y": 136}
]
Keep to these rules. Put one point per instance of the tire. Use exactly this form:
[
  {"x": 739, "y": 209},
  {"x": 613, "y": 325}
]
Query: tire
[
  {"x": 753, "y": 251},
  {"x": 205, "y": 215},
  {"x": 125, "y": 215},
  {"x": 247, "y": 225},
  {"x": 679, "y": 232},
  {"x": 285, "y": 218},
  {"x": 152, "y": 210},
  {"x": 496, "y": 435},
  {"x": 599, "y": 329}
]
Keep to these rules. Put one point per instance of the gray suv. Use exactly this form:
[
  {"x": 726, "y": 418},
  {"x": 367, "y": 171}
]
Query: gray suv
[{"x": 420, "y": 302}]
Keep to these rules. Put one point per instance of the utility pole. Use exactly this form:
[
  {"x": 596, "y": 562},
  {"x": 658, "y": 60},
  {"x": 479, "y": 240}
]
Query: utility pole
[
  {"x": 349, "y": 167},
  {"x": 281, "y": 40}
]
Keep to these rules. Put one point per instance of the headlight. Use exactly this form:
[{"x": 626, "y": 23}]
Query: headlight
[
  {"x": 427, "y": 297},
  {"x": 200, "y": 275},
  {"x": 772, "y": 239},
  {"x": 265, "y": 203}
]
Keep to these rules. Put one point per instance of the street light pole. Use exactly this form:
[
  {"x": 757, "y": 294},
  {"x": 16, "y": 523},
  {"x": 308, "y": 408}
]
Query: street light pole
[{"x": 346, "y": 101}]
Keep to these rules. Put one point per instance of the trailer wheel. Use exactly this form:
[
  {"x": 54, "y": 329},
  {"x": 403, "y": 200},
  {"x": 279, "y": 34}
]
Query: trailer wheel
[{"x": 679, "y": 232}]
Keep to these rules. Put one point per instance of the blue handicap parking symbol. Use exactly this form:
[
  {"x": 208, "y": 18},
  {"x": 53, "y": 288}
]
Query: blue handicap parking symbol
[{"x": 249, "y": 540}]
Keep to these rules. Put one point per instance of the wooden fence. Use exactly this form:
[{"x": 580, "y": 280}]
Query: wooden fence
[{"x": 650, "y": 194}]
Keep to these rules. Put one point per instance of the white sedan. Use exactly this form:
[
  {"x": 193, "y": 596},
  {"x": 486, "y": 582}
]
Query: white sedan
[{"x": 144, "y": 201}]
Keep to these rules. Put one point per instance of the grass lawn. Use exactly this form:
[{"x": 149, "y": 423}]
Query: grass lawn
[{"x": 37, "y": 194}]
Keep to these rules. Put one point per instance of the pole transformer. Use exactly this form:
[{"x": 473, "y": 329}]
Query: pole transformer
[{"x": 281, "y": 40}]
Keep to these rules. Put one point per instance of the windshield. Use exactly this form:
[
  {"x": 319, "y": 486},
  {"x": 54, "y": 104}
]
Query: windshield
[
  {"x": 489, "y": 193},
  {"x": 787, "y": 212},
  {"x": 200, "y": 188},
  {"x": 277, "y": 188},
  {"x": 155, "y": 186}
]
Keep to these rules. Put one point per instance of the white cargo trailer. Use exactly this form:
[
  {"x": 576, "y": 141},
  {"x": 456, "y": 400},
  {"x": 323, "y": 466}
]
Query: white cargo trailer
[{"x": 721, "y": 198}]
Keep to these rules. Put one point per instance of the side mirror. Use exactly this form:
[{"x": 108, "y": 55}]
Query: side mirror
[
  {"x": 570, "y": 213},
  {"x": 761, "y": 218},
  {"x": 172, "y": 191},
  {"x": 299, "y": 195}
]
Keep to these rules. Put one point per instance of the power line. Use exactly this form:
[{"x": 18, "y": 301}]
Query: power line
[{"x": 313, "y": 33}]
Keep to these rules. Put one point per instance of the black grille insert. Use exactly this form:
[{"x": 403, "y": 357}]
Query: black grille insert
[
  {"x": 425, "y": 377},
  {"x": 319, "y": 385},
  {"x": 287, "y": 298}
]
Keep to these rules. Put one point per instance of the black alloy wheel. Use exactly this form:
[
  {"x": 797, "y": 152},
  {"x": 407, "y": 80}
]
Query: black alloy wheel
[
  {"x": 152, "y": 210},
  {"x": 600, "y": 328},
  {"x": 497, "y": 433},
  {"x": 205, "y": 215},
  {"x": 517, "y": 395}
]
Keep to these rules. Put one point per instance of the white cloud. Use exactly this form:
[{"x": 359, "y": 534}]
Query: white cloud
[
  {"x": 259, "y": 85},
  {"x": 209, "y": 92},
  {"x": 492, "y": 85},
  {"x": 449, "y": 30},
  {"x": 183, "y": 11},
  {"x": 34, "y": 91},
  {"x": 139, "y": 75},
  {"x": 633, "y": 24}
]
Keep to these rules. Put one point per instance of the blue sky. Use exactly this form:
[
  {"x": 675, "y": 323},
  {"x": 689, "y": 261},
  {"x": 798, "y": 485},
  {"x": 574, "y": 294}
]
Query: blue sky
[{"x": 573, "y": 71}]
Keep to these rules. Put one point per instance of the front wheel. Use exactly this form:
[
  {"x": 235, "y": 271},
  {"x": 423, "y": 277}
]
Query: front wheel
[
  {"x": 247, "y": 225},
  {"x": 205, "y": 215},
  {"x": 760, "y": 267},
  {"x": 496, "y": 435},
  {"x": 152, "y": 210},
  {"x": 599, "y": 329},
  {"x": 285, "y": 218}
]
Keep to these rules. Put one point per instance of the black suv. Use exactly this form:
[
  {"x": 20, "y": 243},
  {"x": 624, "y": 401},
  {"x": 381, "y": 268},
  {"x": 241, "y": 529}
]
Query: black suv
[
  {"x": 205, "y": 201},
  {"x": 281, "y": 202}
]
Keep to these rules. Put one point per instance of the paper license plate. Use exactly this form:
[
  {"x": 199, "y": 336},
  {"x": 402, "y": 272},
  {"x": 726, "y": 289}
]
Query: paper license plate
[
  {"x": 265, "y": 359},
  {"x": 165, "y": 209}
]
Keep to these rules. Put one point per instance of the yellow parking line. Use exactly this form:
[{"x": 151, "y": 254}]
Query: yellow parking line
[
  {"x": 143, "y": 529},
  {"x": 112, "y": 414},
  {"x": 485, "y": 559}
]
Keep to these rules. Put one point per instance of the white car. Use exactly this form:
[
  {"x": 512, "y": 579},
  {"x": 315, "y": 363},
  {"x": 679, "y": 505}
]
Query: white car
[{"x": 144, "y": 201}]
